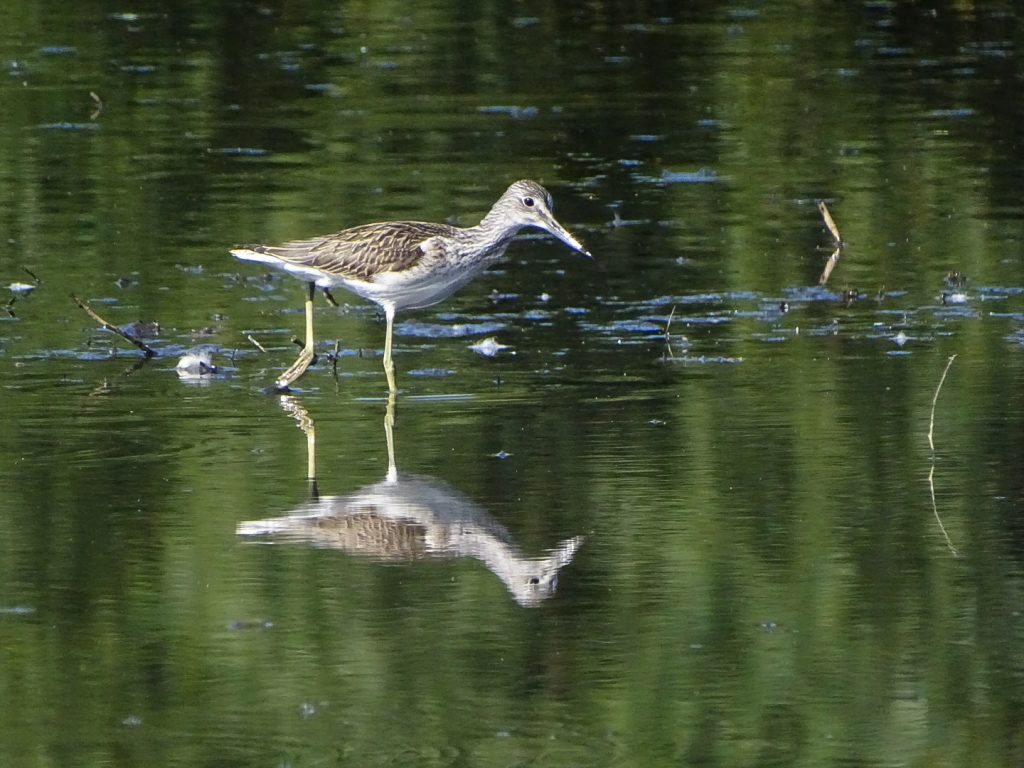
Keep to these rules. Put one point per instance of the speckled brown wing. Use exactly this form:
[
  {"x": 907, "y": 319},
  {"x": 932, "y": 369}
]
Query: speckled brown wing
[{"x": 364, "y": 251}]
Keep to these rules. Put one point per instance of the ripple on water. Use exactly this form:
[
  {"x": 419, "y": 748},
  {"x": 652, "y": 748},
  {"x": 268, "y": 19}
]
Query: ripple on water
[
  {"x": 639, "y": 325},
  {"x": 69, "y": 127},
  {"x": 704, "y": 360},
  {"x": 513, "y": 111},
  {"x": 448, "y": 330},
  {"x": 667, "y": 177},
  {"x": 431, "y": 373},
  {"x": 16, "y": 610}
]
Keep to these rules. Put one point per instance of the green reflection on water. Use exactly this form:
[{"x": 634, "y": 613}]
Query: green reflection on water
[{"x": 763, "y": 579}]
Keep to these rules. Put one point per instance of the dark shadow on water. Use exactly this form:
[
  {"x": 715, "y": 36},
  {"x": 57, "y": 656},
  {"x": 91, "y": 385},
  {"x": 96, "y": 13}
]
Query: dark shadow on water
[{"x": 410, "y": 517}]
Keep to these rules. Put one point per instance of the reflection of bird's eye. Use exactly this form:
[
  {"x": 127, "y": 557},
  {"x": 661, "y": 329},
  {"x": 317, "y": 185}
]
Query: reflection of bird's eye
[
  {"x": 528, "y": 202},
  {"x": 534, "y": 580}
]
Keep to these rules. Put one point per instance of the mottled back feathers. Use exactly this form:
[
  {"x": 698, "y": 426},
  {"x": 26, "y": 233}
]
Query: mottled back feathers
[{"x": 364, "y": 251}]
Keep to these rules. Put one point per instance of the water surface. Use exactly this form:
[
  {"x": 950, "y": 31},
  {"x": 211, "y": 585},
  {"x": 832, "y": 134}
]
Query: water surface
[{"x": 770, "y": 564}]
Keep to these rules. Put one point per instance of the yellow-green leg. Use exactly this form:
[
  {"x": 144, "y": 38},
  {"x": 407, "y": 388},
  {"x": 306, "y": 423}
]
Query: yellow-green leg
[
  {"x": 293, "y": 407},
  {"x": 306, "y": 356},
  {"x": 389, "y": 435},
  {"x": 389, "y": 366}
]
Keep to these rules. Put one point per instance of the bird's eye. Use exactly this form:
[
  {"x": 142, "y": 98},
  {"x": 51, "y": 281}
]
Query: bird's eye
[{"x": 528, "y": 202}]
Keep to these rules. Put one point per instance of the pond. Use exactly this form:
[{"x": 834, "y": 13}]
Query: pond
[{"x": 687, "y": 503}]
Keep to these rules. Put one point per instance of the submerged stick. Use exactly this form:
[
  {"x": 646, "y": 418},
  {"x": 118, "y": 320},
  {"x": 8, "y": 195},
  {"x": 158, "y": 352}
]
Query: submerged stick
[
  {"x": 334, "y": 357},
  {"x": 935, "y": 511},
  {"x": 931, "y": 444},
  {"x": 255, "y": 343},
  {"x": 147, "y": 350},
  {"x": 935, "y": 399},
  {"x": 834, "y": 231},
  {"x": 829, "y": 266},
  {"x": 668, "y": 328},
  {"x": 829, "y": 222},
  {"x": 97, "y": 105}
]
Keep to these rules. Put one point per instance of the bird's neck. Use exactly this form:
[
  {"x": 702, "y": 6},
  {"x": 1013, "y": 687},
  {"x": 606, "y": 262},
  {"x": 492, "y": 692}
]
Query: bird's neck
[
  {"x": 497, "y": 222},
  {"x": 491, "y": 236}
]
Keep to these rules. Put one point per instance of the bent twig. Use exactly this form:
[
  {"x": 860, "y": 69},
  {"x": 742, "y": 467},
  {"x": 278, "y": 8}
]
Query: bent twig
[
  {"x": 931, "y": 472},
  {"x": 935, "y": 399},
  {"x": 834, "y": 231},
  {"x": 147, "y": 350}
]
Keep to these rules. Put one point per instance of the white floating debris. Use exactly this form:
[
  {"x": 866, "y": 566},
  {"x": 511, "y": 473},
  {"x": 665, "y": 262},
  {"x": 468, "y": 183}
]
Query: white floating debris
[
  {"x": 22, "y": 289},
  {"x": 196, "y": 363},
  {"x": 489, "y": 347},
  {"x": 900, "y": 339}
]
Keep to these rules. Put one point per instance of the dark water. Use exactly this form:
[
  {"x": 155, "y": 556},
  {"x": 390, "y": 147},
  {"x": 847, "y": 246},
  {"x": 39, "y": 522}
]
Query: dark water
[{"x": 689, "y": 516}]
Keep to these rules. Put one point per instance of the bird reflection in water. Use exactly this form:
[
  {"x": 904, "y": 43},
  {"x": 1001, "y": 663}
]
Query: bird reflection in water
[{"x": 407, "y": 517}]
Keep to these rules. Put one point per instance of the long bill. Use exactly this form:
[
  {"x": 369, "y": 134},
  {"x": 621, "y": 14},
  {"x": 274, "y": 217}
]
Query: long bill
[{"x": 564, "y": 235}]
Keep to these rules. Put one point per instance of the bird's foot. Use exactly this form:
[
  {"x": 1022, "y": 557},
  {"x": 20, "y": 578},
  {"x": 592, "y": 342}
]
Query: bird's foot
[{"x": 305, "y": 359}]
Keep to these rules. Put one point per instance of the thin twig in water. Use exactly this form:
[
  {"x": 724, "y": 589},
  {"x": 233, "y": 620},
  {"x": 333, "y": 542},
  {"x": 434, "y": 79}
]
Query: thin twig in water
[
  {"x": 935, "y": 510},
  {"x": 834, "y": 231},
  {"x": 334, "y": 357},
  {"x": 935, "y": 399},
  {"x": 931, "y": 444},
  {"x": 668, "y": 328},
  {"x": 830, "y": 265},
  {"x": 829, "y": 222},
  {"x": 255, "y": 343},
  {"x": 147, "y": 350},
  {"x": 98, "y": 103},
  {"x": 30, "y": 273}
]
